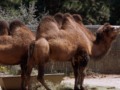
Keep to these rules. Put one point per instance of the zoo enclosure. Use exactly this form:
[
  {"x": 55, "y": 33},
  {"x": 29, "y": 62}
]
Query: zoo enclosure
[{"x": 108, "y": 64}]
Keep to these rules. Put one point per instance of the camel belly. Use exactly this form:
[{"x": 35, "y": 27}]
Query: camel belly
[
  {"x": 61, "y": 50},
  {"x": 11, "y": 56},
  {"x": 9, "y": 59}
]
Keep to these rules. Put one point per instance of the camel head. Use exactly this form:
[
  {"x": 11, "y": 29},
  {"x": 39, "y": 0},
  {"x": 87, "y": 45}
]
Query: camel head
[
  {"x": 107, "y": 32},
  {"x": 3, "y": 28}
]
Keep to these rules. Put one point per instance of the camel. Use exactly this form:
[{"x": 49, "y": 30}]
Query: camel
[
  {"x": 14, "y": 45},
  {"x": 69, "y": 41}
]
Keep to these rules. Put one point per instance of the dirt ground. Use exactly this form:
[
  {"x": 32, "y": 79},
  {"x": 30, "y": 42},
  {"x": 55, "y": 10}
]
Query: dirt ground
[{"x": 96, "y": 82}]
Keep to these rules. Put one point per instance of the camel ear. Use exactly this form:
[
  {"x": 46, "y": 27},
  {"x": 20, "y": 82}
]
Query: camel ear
[{"x": 77, "y": 17}]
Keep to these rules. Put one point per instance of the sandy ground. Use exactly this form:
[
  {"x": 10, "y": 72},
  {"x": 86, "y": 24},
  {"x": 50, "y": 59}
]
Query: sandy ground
[{"x": 111, "y": 81}]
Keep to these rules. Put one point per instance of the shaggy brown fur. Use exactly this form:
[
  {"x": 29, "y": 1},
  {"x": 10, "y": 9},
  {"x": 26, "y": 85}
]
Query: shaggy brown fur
[
  {"x": 73, "y": 42},
  {"x": 14, "y": 48}
]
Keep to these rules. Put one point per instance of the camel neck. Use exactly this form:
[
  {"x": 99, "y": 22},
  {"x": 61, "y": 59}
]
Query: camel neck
[{"x": 100, "y": 48}]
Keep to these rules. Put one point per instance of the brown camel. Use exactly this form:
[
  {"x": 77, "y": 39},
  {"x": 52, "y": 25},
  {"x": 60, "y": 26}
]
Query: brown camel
[
  {"x": 14, "y": 47},
  {"x": 69, "y": 41}
]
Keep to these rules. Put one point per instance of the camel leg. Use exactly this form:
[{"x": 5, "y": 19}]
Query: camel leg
[
  {"x": 75, "y": 69},
  {"x": 82, "y": 65},
  {"x": 23, "y": 71},
  {"x": 79, "y": 63},
  {"x": 41, "y": 76},
  {"x": 81, "y": 77},
  {"x": 30, "y": 65}
]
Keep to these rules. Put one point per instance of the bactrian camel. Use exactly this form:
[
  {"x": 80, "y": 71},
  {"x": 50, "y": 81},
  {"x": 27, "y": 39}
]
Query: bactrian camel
[
  {"x": 14, "y": 42},
  {"x": 65, "y": 38}
]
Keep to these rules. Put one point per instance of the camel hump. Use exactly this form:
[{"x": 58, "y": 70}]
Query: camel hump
[
  {"x": 3, "y": 28},
  {"x": 67, "y": 16},
  {"x": 47, "y": 23},
  {"x": 68, "y": 21},
  {"x": 47, "y": 19},
  {"x": 14, "y": 25},
  {"x": 59, "y": 19},
  {"x": 77, "y": 17}
]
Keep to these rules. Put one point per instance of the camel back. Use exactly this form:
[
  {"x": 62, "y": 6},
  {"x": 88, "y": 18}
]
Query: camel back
[{"x": 3, "y": 28}]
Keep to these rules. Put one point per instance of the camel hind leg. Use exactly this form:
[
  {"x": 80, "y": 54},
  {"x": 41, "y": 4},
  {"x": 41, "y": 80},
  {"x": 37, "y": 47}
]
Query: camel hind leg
[
  {"x": 38, "y": 55},
  {"x": 41, "y": 76},
  {"x": 41, "y": 57}
]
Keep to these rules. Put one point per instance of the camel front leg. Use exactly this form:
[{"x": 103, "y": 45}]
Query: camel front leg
[
  {"x": 81, "y": 77},
  {"x": 79, "y": 63},
  {"x": 75, "y": 69},
  {"x": 82, "y": 65},
  {"x": 23, "y": 66},
  {"x": 30, "y": 65}
]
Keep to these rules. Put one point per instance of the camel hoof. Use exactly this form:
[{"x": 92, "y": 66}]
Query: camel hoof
[
  {"x": 48, "y": 89},
  {"x": 81, "y": 88}
]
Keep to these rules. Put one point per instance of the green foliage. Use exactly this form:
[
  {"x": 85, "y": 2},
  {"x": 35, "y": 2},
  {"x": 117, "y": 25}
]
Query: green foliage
[
  {"x": 93, "y": 12},
  {"x": 23, "y": 14},
  {"x": 115, "y": 11},
  {"x": 7, "y": 70},
  {"x": 3, "y": 69}
]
